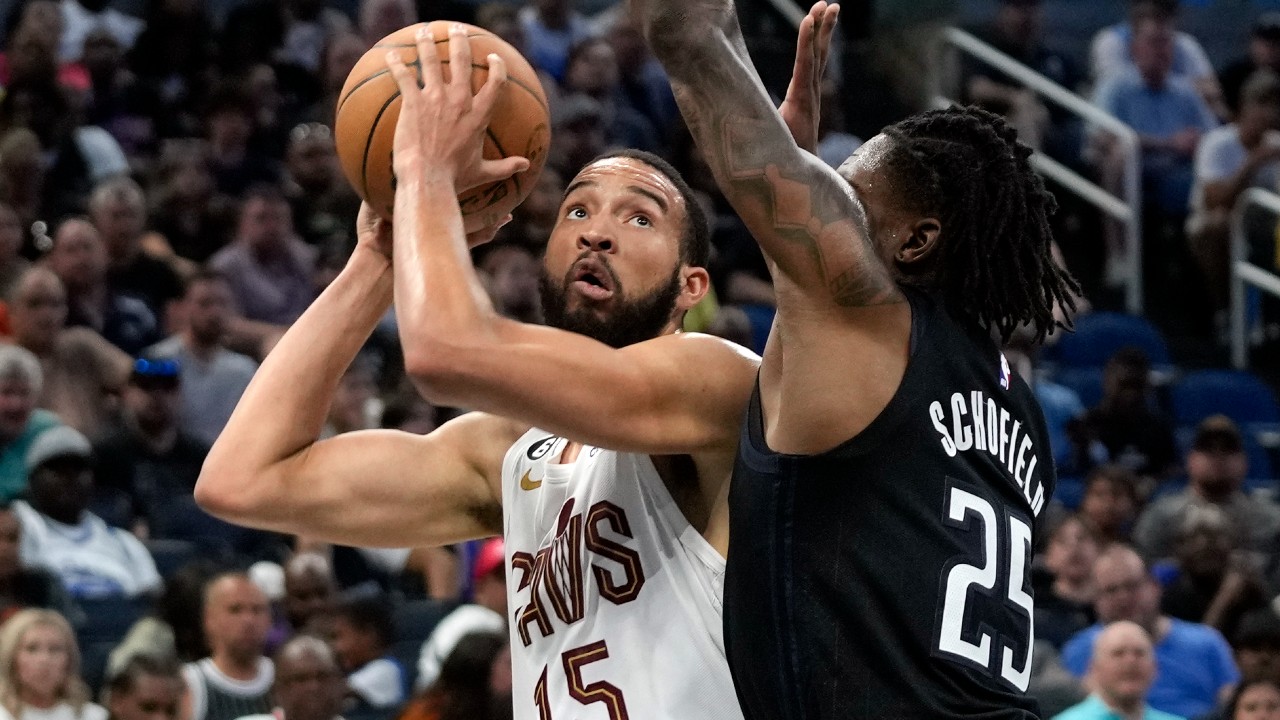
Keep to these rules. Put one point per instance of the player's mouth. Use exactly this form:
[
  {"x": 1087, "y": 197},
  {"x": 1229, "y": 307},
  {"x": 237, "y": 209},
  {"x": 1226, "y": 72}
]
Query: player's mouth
[{"x": 592, "y": 280}]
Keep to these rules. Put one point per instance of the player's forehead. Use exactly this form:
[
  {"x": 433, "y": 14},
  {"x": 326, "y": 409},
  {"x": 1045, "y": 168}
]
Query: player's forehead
[{"x": 621, "y": 174}]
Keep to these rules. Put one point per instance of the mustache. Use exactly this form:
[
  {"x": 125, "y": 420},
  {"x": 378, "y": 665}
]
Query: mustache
[{"x": 598, "y": 257}]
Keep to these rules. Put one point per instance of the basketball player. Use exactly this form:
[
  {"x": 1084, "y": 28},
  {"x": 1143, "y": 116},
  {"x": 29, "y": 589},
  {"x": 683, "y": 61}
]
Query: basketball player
[
  {"x": 603, "y": 446},
  {"x": 890, "y": 469}
]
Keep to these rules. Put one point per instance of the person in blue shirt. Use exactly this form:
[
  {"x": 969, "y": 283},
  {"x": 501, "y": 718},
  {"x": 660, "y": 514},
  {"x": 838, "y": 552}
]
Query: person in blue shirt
[
  {"x": 1120, "y": 673},
  {"x": 1194, "y": 666}
]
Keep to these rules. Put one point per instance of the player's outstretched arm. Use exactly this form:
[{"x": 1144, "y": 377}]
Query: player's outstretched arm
[
  {"x": 675, "y": 394},
  {"x": 268, "y": 470},
  {"x": 802, "y": 213}
]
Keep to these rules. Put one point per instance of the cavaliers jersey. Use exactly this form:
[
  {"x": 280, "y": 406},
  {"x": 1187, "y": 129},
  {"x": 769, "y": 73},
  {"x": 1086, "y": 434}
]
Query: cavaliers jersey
[
  {"x": 614, "y": 598},
  {"x": 891, "y": 576}
]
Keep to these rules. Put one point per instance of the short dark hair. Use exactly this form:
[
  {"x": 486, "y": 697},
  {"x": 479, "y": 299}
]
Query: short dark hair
[
  {"x": 695, "y": 245},
  {"x": 204, "y": 275},
  {"x": 126, "y": 678},
  {"x": 368, "y": 611},
  {"x": 1131, "y": 357},
  {"x": 1158, "y": 9},
  {"x": 1248, "y": 684},
  {"x": 1120, "y": 477}
]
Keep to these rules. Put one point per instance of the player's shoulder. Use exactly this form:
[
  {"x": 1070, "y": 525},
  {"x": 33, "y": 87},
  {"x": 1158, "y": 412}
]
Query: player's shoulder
[
  {"x": 705, "y": 347},
  {"x": 484, "y": 427}
]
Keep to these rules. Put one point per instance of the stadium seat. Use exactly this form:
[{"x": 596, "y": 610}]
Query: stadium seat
[
  {"x": 1085, "y": 381},
  {"x": 1069, "y": 491},
  {"x": 171, "y": 555},
  {"x": 761, "y": 317},
  {"x": 1241, "y": 396},
  {"x": 1099, "y": 335},
  {"x": 414, "y": 622},
  {"x": 109, "y": 619}
]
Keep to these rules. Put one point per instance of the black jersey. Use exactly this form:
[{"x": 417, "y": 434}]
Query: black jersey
[{"x": 891, "y": 577}]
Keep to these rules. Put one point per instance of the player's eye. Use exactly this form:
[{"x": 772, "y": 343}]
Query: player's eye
[
  {"x": 577, "y": 212},
  {"x": 642, "y": 221}
]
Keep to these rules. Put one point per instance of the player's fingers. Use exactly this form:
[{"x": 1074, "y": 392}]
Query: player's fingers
[
  {"x": 459, "y": 63},
  {"x": 803, "y": 70},
  {"x": 495, "y": 170},
  {"x": 829, "y": 19},
  {"x": 429, "y": 60},
  {"x": 401, "y": 74},
  {"x": 487, "y": 98}
]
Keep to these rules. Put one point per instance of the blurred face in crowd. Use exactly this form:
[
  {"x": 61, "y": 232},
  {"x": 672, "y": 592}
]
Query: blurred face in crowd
[
  {"x": 1124, "y": 387},
  {"x": 1125, "y": 591},
  {"x": 1216, "y": 472},
  {"x": 266, "y": 225},
  {"x": 1203, "y": 551},
  {"x": 61, "y": 488},
  {"x": 120, "y": 221},
  {"x": 309, "y": 592},
  {"x": 513, "y": 276},
  {"x": 340, "y": 56},
  {"x": 628, "y": 45},
  {"x": 312, "y": 159},
  {"x": 309, "y": 685},
  {"x": 1153, "y": 50},
  {"x": 1265, "y": 52},
  {"x": 38, "y": 310},
  {"x": 1259, "y": 660},
  {"x": 32, "y": 55},
  {"x": 594, "y": 69},
  {"x": 1108, "y": 506},
  {"x": 153, "y": 402},
  {"x": 1259, "y": 701},
  {"x": 230, "y": 127},
  {"x": 17, "y": 400},
  {"x": 236, "y": 618},
  {"x": 1123, "y": 665},
  {"x": 542, "y": 207},
  {"x": 42, "y": 663},
  {"x": 78, "y": 257},
  {"x": 1071, "y": 552},
  {"x": 10, "y": 234},
  {"x": 209, "y": 310},
  {"x": 1259, "y": 115},
  {"x": 152, "y": 697},
  {"x": 354, "y": 646},
  {"x": 10, "y": 537},
  {"x": 553, "y": 10},
  {"x": 1020, "y": 20},
  {"x": 102, "y": 53},
  {"x": 356, "y": 388},
  {"x": 380, "y": 18}
]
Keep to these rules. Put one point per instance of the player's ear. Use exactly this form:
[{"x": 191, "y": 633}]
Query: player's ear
[
  {"x": 695, "y": 283},
  {"x": 921, "y": 242}
]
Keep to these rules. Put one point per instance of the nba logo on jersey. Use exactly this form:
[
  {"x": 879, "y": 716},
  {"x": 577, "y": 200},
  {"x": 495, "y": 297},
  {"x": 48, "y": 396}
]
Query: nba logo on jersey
[{"x": 1004, "y": 371}]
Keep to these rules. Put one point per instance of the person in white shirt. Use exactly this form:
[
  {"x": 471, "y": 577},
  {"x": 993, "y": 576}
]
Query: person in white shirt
[
  {"x": 40, "y": 676},
  {"x": 92, "y": 559},
  {"x": 486, "y": 614}
]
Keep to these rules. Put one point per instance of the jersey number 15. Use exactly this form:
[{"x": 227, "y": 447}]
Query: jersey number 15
[{"x": 1008, "y": 539}]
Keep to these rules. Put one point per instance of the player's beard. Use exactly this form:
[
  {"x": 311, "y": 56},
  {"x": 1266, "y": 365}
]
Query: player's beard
[{"x": 628, "y": 321}]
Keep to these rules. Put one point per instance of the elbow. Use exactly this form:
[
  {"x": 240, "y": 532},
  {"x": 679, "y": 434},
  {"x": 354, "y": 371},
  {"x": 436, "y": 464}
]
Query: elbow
[
  {"x": 435, "y": 374},
  {"x": 216, "y": 494}
]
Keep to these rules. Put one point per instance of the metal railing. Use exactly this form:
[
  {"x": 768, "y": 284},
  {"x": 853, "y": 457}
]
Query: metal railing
[
  {"x": 1126, "y": 209},
  {"x": 1245, "y": 274}
]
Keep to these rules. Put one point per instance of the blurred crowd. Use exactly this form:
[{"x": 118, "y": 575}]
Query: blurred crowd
[{"x": 170, "y": 201}]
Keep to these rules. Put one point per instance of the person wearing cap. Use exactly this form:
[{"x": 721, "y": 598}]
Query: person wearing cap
[
  {"x": 1216, "y": 468},
  {"x": 93, "y": 559},
  {"x": 486, "y": 614},
  {"x": 1263, "y": 54},
  {"x": 1230, "y": 160},
  {"x": 21, "y": 381}
]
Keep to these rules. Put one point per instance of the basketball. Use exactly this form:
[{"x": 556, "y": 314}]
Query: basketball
[{"x": 369, "y": 105}]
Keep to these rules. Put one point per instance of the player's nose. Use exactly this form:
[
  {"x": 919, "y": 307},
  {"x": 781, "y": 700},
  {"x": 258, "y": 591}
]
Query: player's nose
[{"x": 596, "y": 242}]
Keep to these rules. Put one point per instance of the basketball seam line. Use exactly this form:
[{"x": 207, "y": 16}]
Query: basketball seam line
[{"x": 474, "y": 66}]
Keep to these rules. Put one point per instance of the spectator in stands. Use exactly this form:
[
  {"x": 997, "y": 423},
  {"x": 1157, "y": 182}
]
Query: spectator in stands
[
  {"x": 81, "y": 17},
  {"x": 473, "y": 683},
  {"x": 119, "y": 104},
  {"x": 1065, "y": 605},
  {"x": 1213, "y": 582},
  {"x": 22, "y": 174},
  {"x": 340, "y": 56},
  {"x": 93, "y": 559},
  {"x": 533, "y": 219},
  {"x": 1264, "y": 54},
  {"x": 308, "y": 25},
  {"x": 146, "y": 688},
  {"x": 1121, "y": 671},
  {"x": 189, "y": 212},
  {"x": 21, "y": 423},
  {"x": 235, "y": 680},
  {"x": 309, "y": 685},
  {"x": 1256, "y": 645},
  {"x": 579, "y": 133},
  {"x": 363, "y": 632},
  {"x": 79, "y": 259},
  {"x": 32, "y": 50},
  {"x": 1193, "y": 662},
  {"x": 268, "y": 266},
  {"x": 1134, "y": 436},
  {"x": 83, "y": 373},
  {"x": 592, "y": 70},
  {"x": 1256, "y": 700},
  {"x": 1166, "y": 112},
  {"x": 166, "y": 60},
  {"x": 643, "y": 82},
  {"x": 486, "y": 614},
  {"x": 40, "y": 670},
  {"x": 1216, "y": 469},
  {"x": 21, "y": 586},
  {"x": 1232, "y": 159},
  {"x": 229, "y": 114},
  {"x": 551, "y": 29},
  {"x": 513, "y": 271},
  {"x": 1113, "y": 51},
  {"x": 12, "y": 265},
  {"x": 324, "y": 205},
  {"x": 310, "y": 592},
  {"x": 350, "y": 411},
  {"x": 118, "y": 210},
  {"x": 380, "y": 18},
  {"x": 149, "y": 459},
  {"x": 213, "y": 377}
]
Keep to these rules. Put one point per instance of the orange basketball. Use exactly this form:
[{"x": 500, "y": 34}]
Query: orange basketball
[{"x": 369, "y": 106}]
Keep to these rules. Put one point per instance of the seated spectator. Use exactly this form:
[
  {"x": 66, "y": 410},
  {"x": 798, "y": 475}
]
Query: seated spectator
[
  {"x": 118, "y": 210},
  {"x": 32, "y": 49},
  {"x": 79, "y": 259},
  {"x": 81, "y": 17},
  {"x": 380, "y": 18},
  {"x": 146, "y": 688},
  {"x": 188, "y": 212},
  {"x": 165, "y": 59},
  {"x": 24, "y": 587},
  {"x": 1121, "y": 671},
  {"x": 551, "y": 29},
  {"x": 1256, "y": 645},
  {"x": 1166, "y": 112},
  {"x": 1065, "y": 605},
  {"x": 643, "y": 82},
  {"x": 362, "y": 636},
  {"x": 268, "y": 267},
  {"x": 1264, "y": 54},
  {"x": 592, "y": 70},
  {"x": 512, "y": 270},
  {"x": 229, "y": 114},
  {"x": 12, "y": 236},
  {"x": 1193, "y": 662},
  {"x": 92, "y": 559},
  {"x": 213, "y": 377},
  {"x": 1133, "y": 435},
  {"x": 119, "y": 103},
  {"x": 41, "y": 678},
  {"x": 1213, "y": 582},
  {"x": 534, "y": 218},
  {"x": 310, "y": 592},
  {"x": 324, "y": 205},
  {"x": 83, "y": 373},
  {"x": 235, "y": 680},
  {"x": 308, "y": 684},
  {"x": 1216, "y": 469},
  {"x": 474, "y": 682},
  {"x": 350, "y": 410},
  {"x": 1112, "y": 50},
  {"x": 1256, "y": 700},
  {"x": 578, "y": 134},
  {"x": 148, "y": 460},
  {"x": 22, "y": 174},
  {"x": 486, "y": 614},
  {"x": 21, "y": 423}
]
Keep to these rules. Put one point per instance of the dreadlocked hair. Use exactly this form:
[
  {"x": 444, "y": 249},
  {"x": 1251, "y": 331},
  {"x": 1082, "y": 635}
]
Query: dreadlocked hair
[{"x": 995, "y": 269}]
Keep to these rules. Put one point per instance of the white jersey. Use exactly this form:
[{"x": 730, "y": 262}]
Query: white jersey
[{"x": 614, "y": 598}]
